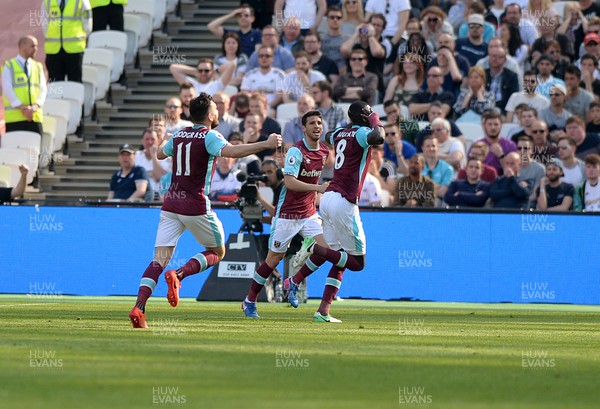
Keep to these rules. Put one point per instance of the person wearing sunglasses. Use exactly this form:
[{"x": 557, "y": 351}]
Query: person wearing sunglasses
[
  {"x": 573, "y": 167},
  {"x": 332, "y": 40},
  {"x": 202, "y": 76},
  {"x": 556, "y": 115},
  {"x": 528, "y": 96},
  {"x": 358, "y": 84}
]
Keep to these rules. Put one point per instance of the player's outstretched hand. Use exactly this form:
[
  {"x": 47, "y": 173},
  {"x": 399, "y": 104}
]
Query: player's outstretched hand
[{"x": 275, "y": 140}]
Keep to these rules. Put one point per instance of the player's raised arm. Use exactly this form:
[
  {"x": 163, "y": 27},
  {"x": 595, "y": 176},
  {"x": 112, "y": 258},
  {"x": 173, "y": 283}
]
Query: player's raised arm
[
  {"x": 292, "y": 183},
  {"x": 239, "y": 151},
  {"x": 377, "y": 135}
]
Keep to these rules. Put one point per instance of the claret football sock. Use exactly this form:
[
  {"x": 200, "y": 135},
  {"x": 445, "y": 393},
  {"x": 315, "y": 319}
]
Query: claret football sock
[
  {"x": 260, "y": 278},
  {"x": 332, "y": 285},
  {"x": 147, "y": 284},
  {"x": 339, "y": 258},
  {"x": 197, "y": 264}
]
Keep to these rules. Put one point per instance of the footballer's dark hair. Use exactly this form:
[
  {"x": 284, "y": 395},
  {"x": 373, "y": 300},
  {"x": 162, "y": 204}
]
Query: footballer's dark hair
[
  {"x": 199, "y": 107},
  {"x": 310, "y": 114},
  {"x": 356, "y": 113}
]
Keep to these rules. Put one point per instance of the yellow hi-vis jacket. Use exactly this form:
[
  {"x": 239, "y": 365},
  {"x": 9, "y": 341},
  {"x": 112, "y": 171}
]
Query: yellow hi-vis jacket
[
  {"x": 26, "y": 89},
  {"x": 65, "y": 28}
]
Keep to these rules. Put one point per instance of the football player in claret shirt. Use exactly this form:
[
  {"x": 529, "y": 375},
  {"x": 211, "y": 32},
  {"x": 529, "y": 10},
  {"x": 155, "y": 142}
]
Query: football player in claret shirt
[
  {"x": 296, "y": 211},
  {"x": 342, "y": 227},
  {"x": 186, "y": 205}
]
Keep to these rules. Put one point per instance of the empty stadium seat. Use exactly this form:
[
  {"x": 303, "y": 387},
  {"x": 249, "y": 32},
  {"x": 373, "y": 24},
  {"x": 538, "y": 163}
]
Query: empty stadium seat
[
  {"x": 73, "y": 93},
  {"x": 58, "y": 109},
  {"x": 160, "y": 12},
  {"x": 145, "y": 10},
  {"x": 378, "y": 109},
  {"x": 287, "y": 111},
  {"x": 132, "y": 45},
  {"x": 471, "y": 132},
  {"x": 28, "y": 142},
  {"x": 102, "y": 60},
  {"x": 47, "y": 145},
  {"x": 136, "y": 24},
  {"x": 5, "y": 176},
  {"x": 114, "y": 41},
  {"x": 171, "y": 6},
  {"x": 13, "y": 158},
  {"x": 506, "y": 128},
  {"x": 230, "y": 90},
  {"x": 385, "y": 198}
]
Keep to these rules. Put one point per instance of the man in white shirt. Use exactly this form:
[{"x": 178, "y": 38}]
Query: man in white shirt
[
  {"x": 265, "y": 79},
  {"x": 396, "y": 15},
  {"x": 173, "y": 122},
  {"x": 202, "y": 76},
  {"x": 529, "y": 96}
]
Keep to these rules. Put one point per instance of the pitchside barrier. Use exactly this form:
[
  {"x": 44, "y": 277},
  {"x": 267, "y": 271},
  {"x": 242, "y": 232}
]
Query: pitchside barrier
[{"x": 48, "y": 251}]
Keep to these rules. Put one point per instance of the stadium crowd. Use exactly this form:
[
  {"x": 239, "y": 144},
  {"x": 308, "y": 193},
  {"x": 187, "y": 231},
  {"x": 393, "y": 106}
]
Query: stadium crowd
[{"x": 485, "y": 104}]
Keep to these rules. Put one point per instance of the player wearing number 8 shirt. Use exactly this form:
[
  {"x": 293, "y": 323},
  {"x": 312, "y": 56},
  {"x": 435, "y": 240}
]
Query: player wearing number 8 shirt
[
  {"x": 296, "y": 211},
  {"x": 342, "y": 227},
  {"x": 186, "y": 205}
]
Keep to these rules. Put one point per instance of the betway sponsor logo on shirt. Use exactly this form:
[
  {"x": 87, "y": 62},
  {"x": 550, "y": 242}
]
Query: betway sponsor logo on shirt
[{"x": 313, "y": 173}]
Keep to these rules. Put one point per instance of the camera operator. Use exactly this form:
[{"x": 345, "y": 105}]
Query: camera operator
[{"x": 275, "y": 181}]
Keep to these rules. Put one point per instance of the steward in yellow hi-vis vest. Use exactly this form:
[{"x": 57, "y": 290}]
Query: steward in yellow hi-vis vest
[
  {"x": 24, "y": 89},
  {"x": 68, "y": 23},
  {"x": 108, "y": 13}
]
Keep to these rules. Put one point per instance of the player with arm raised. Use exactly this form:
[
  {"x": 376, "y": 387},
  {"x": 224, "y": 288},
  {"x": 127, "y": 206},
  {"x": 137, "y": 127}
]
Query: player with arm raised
[
  {"x": 342, "y": 227},
  {"x": 296, "y": 211},
  {"x": 186, "y": 205}
]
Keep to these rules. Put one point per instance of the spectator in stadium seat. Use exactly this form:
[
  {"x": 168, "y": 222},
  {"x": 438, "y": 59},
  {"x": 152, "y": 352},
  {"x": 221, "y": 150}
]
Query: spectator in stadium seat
[
  {"x": 545, "y": 65},
  {"x": 501, "y": 81},
  {"x": 451, "y": 150},
  {"x": 578, "y": 99},
  {"x": 544, "y": 151},
  {"x": 130, "y": 182},
  {"x": 471, "y": 191},
  {"x": 258, "y": 105},
  {"x": 433, "y": 23},
  {"x": 298, "y": 81},
  {"x": 474, "y": 99},
  {"x": 454, "y": 66},
  {"x": 589, "y": 73},
  {"x": 231, "y": 49},
  {"x": 249, "y": 37},
  {"x": 282, "y": 59},
  {"x": 291, "y": 38},
  {"x": 386, "y": 169},
  {"x": 173, "y": 121},
  {"x": 553, "y": 195},
  {"x": 8, "y": 194},
  {"x": 476, "y": 7},
  {"x": 202, "y": 76},
  {"x": 227, "y": 123},
  {"x": 526, "y": 120},
  {"x": 593, "y": 122},
  {"x": 479, "y": 150},
  {"x": 250, "y": 165},
  {"x": 421, "y": 101},
  {"x": 333, "y": 115},
  {"x": 473, "y": 47},
  {"x": 499, "y": 147},
  {"x": 408, "y": 81},
  {"x": 509, "y": 63},
  {"x": 436, "y": 110},
  {"x": 353, "y": 15},
  {"x": 358, "y": 83},
  {"x": 573, "y": 167},
  {"x": 556, "y": 115},
  {"x": 253, "y": 133},
  {"x": 158, "y": 124},
  {"x": 224, "y": 185},
  {"x": 266, "y": 79},
  {"x": 514, "y": 16},
  {"x": 531, "y": 171},
  {"x": 414, "y": 189},
  {"x": 507, "y": 192},
  {"x": 187, "y": 92},
  {"x": 320, "y": 62},
  {"x": 292, "y": 131},
  {"x": 529, "y": 96},
  {"x": 395, "y": 149},
  {"x": 333, "y": 39},
  {"x": 587, "y": 194},
  {"x": 396, "y": 15},
  {"x": 586, "y": 142},
  {"x": 436, "y": 169},
  {"x": 309, "y": 12},
  {"x": 146, "y": 158}
]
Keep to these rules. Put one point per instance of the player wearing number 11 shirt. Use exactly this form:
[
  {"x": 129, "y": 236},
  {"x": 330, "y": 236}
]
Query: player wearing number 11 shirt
[
  {"x": 342, "y": 227},
  {"x": 186, "y": 206}
]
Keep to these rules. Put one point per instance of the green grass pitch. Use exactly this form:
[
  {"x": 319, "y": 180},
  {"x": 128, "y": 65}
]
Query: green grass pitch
[{"x": 81, "y": 352}]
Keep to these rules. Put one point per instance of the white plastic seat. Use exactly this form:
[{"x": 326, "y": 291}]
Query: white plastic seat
[
  {"x": 378, "y": 109},
  {"x": 73, "y": 93},
  {"x": 145, "y": 10},
  {"x": 135, "y": 24},
  {"x": 160, "y": 12},
  {"x": 58, "y": 109},
  {"x": 507, "y": 127},
  {"x": 13, "y": 158},
  {"x": 287, "y": 111},
  {"x": 230, "y": 90},
  {"x": 116, "y": 42},
  {"x": 471, "y": 131},
  {"x": 89, "y": 96},
  {"x": 28, "y": 142},
  {"x": 282, "y": 123},
  {"x": 50, "y": 130},
  {"x": 102, "y": 60},
  {"x": 385, "y": 198},
  {"x": 404, "y": 113},
  {"x": 91, "y": 78},
  {"x": 559, "y": 6},
  {"x": 5, "y": 176},
  {"x": 132, "y": 46},
  {"x": 171, "y": 6}
]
